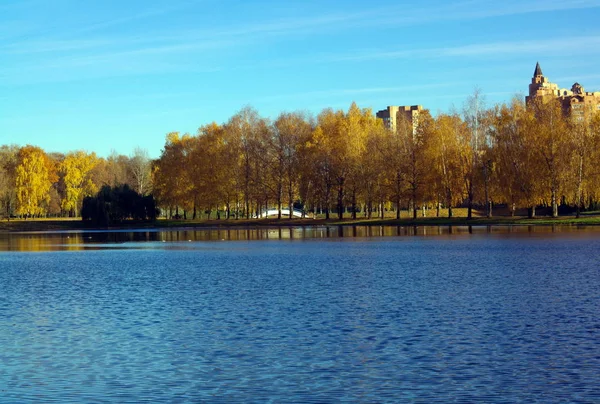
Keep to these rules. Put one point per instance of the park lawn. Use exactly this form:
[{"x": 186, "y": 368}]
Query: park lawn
[{"x": 76, "y": 224}]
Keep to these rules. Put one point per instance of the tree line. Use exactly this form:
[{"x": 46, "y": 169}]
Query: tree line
[
  {"x": 347, "y": 163},
  {"x": 338, "y": 164},
  {"x": 34, "y": 183}
]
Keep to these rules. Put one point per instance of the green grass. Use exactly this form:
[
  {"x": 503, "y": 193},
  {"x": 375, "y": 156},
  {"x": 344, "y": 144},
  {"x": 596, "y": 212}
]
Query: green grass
[{"x": 589, "y": 219}]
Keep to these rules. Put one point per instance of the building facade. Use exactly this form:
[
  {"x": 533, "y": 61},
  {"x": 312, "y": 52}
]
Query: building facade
[
  {"x": 392, "y": 114},
  {"x": 576, "y": 102}
]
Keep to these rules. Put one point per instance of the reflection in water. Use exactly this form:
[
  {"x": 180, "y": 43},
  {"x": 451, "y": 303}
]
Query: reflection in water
[
  {"x": 74, "y": 241},
  {"x": 419, "y": 316}
]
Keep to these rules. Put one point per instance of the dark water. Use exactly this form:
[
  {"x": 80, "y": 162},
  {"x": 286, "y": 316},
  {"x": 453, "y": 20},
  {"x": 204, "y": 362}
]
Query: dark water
[{"x": 378, "y": 315}]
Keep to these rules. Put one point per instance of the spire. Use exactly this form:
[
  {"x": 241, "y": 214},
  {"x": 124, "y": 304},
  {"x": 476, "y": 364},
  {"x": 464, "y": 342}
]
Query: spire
[{"x": 538, "y": 70}]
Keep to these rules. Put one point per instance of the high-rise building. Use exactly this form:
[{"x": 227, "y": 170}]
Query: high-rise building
[
  {"x": 576, "y": 102},
  {"x": 392, "y": 114}
]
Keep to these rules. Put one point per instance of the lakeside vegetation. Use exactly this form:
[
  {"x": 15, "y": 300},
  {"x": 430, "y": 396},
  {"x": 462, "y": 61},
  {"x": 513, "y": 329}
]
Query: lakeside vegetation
[
  {"x": 75, "y": 224},
  {"x": 346, "y": 165}
]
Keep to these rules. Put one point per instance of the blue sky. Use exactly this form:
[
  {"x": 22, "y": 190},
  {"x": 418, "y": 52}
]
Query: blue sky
[{"x": 116, "y": 74}]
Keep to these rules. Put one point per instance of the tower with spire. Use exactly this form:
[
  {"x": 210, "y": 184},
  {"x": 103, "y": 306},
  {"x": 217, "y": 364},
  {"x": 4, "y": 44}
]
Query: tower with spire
[
  {"x": 540, "y": 86},
  {"x": 576, "y": 102}
]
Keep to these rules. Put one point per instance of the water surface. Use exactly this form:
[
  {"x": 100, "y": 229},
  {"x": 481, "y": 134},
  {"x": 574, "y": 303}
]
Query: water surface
[{"x": 301, "y": 315}]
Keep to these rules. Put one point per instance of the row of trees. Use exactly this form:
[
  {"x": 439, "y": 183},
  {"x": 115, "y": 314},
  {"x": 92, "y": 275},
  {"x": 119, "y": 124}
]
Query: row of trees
[
  {"x": 341, "y": 161},
  {"x": 34, "y": 183},
  {"x": 347, "y": 161}
]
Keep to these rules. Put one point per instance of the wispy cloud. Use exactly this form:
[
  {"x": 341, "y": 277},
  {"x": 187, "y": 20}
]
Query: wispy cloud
[
  {"x": 305, "y": 25},
  {"x": 345, "y": 92},
  {"x": 553, "y": 46},
  {"x": 8, "y": 5},
  {"x": 580, "y": 78},
  {"x": 152, "y": 12},
  {"x": 99, "y": 47},
  {"x": 475, "y": 9}
]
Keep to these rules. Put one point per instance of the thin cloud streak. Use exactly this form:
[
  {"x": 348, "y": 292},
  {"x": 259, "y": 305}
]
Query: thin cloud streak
[
  {"x": 354, "y": 91},
  {"x": 472, "y": 10},
  {"x": 312, "y": 25},
  {"x": 547, "y": 47},
  {"x": 140, "y": 16},
  {"x": 121, "y": 55}
]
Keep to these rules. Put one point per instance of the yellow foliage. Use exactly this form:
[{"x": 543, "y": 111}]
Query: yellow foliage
[
  {"x": 33, "y": 181},
  {"x": 76, "y": 168}
]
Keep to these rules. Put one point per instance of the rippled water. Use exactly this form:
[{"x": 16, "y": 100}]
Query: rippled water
[{"x": 487, "y": 316}]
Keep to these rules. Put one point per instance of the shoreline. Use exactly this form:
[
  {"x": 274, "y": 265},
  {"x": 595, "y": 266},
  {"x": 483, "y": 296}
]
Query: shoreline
[{"x": 49, "y": 225}]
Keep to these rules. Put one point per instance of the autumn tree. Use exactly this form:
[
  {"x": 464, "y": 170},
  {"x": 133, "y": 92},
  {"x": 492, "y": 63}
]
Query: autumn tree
[
  {"x": 450, "y": 131},
  {"x": 328, "y": 148},
  {"x": 354, "y": 163},
  {"x": 76, "y": 169},
  {"x": 171, "y": 181},
  {"x": 117, "y": 170},
  {"x": 8, "y": 167},
  {"x": 591, "y": 183},
  {"x": 418, "y": 161},
  {"x": 244, "y": 131},
  {"x": 35, "y": 174},
  {"x": 517, "y": 159},
  {"x": 473, "y": 145},
  {"x": 585, "y": 136},
  {"x": 140, "y": 166},
  {"x": 206, "y": 169},
  {"x": 552, "y": 141},
  {"x": 370, "y": 168},
  {"x": 290, "y": 131},
  {"x": 394, "y": 161}
]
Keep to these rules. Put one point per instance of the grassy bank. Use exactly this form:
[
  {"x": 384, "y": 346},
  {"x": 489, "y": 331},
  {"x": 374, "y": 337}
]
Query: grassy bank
[{"x": 77, "y": 224}]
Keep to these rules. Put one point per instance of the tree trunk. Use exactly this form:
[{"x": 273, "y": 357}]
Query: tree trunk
[
  {"x": 354, "y": 204},
  {"x": 414, "y": 201},
  {"x": 579, "y": 182},
  {"x": 554, "y": 204},
  {"x": 340, "y": 199},
  {"x": 488, "y": 209},
  {"x": 470, "y": 207},
  {"x": 398, "y": 186},
  {"x": 328, "y": 187}
]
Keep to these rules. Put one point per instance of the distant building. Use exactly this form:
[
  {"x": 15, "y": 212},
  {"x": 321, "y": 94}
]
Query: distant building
[
  {"x": 392, "y": 114},
  {"x": 576, "y": 102}
]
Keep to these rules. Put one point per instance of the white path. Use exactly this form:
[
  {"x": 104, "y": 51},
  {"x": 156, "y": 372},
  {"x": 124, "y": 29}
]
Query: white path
[{"x": 284, "y": 213}]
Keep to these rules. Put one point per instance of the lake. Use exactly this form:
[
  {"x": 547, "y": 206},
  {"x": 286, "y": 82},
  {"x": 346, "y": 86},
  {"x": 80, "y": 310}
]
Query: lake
[{"x": 323, "y": 314}]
